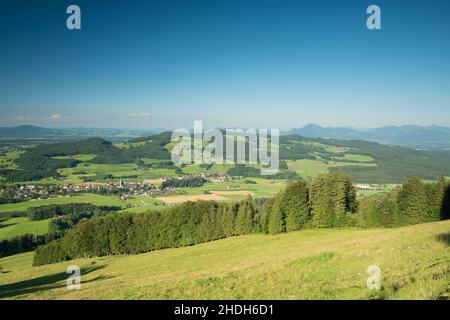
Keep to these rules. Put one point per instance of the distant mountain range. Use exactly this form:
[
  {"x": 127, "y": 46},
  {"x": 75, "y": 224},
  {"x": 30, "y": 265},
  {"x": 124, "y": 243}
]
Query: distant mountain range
[
  {"x": 29, "y": 132},
  {"x": 413, "y": 136},
  {"x": 417, "y": 137}
]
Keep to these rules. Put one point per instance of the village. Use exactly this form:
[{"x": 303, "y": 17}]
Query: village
[{"x": 123, "y": 189}]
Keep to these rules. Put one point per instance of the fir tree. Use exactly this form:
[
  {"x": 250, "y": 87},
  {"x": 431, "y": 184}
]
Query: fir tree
[
  {"x": 245, "y": 217},
  {"x": 412, "y": 202},
  {"x": 294, "y": 205},
  {"x": 277, "y": 222}
]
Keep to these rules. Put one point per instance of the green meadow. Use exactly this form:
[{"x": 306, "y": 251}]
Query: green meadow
[
  {"x": 17, "y": 262},
  {"x": 80, "y": 157},
  {"x": 310, "y": 264},
  {"x": 309, "y": 169},
  {"x": 12, "y": 227},
  {"x": 324, "y": 147},
  {"x": 126, "y": 170},
  {"x": 6, "y": 161},
  {"x": 355, "y": 158},
  {"x": 95, "y": 199},
  {"x": 262, "y": 187}
]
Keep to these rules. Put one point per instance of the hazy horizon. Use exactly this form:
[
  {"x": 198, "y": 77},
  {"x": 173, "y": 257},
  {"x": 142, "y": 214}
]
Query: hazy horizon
[{"x": 221, "y": 127}]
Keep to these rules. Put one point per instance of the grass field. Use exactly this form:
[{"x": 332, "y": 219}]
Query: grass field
[
  {"x": 80, "y": 157},
  {"x": 325, "y": 147},
  {"x": 85, "y": 198},
  {"x": 262, "y": 188},
  {"x": 7, "y": 160},
  {"x": 12, "y": 227},
  {"x": 85, "y": 170},
  {"x": 311, "y": 264},
  {"x": 309, "y": 169},
  {"x": 355, "y": 158},
  {"x": 17, "y": 262}
]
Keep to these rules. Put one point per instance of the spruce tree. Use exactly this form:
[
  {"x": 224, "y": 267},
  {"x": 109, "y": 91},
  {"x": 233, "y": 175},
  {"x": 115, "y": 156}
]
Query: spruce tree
[
  {"x": 294, "y": 204},
  {"x": 245, "y": 217},
  {"x": 332, "y": 198},
  {"x": 412, "y": 202},
  {"x": 264, "y": 215},
  {"x": 445, "y": 208},
  {"x": 277, "y": 223},
  {"x": 435, "y": 196}
]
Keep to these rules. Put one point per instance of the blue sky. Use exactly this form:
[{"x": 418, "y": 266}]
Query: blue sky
[{"x": 265, "y": 63}]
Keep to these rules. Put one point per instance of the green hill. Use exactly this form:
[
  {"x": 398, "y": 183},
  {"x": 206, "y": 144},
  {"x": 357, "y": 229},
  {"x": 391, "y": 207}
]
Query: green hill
[
  {"x": 368, "y": 162},
  {"x": 312, "y": 264}
]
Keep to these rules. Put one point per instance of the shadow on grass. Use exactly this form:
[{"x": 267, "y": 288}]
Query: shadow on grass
[
  {"x": 7, "y": 225},
  {"x": 4, "y": 224},
  {"x": 444, "y": 237},
  {"x": 44, "y": 283}
]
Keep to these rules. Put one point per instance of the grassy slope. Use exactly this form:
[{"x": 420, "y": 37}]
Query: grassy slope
[
  {"x": 17, "y": 262},
  {"x": 312, "y": 168},
  {"x": 329, "y": 264},
  {"x": 12, "y": 227}
]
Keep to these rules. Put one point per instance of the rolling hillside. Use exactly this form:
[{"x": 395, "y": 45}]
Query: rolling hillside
[
  {"x": 312, "y": 264},
  {"x": 40, "y": 134},
  {"x": 413, "y": 136},
  {"x": 369, "y": 162}
]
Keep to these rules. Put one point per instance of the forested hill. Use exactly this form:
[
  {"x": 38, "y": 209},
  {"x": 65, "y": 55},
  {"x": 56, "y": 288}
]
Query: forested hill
[
  {"x": 43, "y": 160},
  {"x": 365, "y": 161},
  {"x": 390, "y": 163},
  {"x": 32, "y": 134},
  {"x": 418, "y": 137}
]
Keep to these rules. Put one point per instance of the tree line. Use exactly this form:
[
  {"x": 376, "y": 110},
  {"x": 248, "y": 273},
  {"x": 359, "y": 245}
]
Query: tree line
[
  {"x": 328, "y": 201},
  {"x": 416, "y": 202},
  {"x": 187, "y": 182},
  {"x": 67, "y": 216},
  {"x": 23, "y": 243},
  {"x": 53, "y": 210}
]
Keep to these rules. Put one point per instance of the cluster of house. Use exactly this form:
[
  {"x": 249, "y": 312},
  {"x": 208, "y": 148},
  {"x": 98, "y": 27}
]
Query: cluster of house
[
  {"x": 212, "y": 176},
  {"x": 377, "y": 187},
  {"x": 28, "y": 192},
  {"x": 121, "y": 188}
]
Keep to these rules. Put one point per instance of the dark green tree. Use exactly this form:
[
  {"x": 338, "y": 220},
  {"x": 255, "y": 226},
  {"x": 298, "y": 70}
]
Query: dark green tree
[
  {"x": 245, "y": 217},
  {"x": 445, "y": 208},
  {"x": 332, "y": 199},
  {"x": 277, "y": 221},
  {"x": 294, "y": 204},
  {"x": 412, "y": 202}
]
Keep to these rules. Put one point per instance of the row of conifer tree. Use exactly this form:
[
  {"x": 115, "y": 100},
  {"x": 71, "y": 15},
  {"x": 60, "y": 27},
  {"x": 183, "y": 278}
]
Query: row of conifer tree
[{"x": 328, "y": 201}]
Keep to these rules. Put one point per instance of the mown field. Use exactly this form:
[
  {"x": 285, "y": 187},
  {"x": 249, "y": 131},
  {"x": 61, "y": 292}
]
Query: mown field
[
  {"x": 309, "y": 169},
  {"x": 12, "y": 227},
  {"x": 311, "y": 264}
]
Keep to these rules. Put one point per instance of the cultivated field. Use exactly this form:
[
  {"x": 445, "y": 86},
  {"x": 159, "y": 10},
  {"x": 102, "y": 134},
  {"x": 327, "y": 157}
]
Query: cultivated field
[
  {"x": 231, "y": 193},
  {"x": 311, "y": 264},
  {"x": 213, "y": 195},
  {"x": 181, "y": 199}
]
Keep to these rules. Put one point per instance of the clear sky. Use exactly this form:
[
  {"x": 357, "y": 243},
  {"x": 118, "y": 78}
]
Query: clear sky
[{"x": 246, "y": 63}]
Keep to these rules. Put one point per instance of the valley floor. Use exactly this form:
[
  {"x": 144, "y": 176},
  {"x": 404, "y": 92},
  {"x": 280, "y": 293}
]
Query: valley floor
[{"x": 311, "y": 264}]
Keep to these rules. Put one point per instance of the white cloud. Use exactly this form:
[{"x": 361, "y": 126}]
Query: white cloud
[
  {"x": 139, "y": 115},
  {"x": 55, "y": 117},
  {"x": 22, "y": 118}
]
